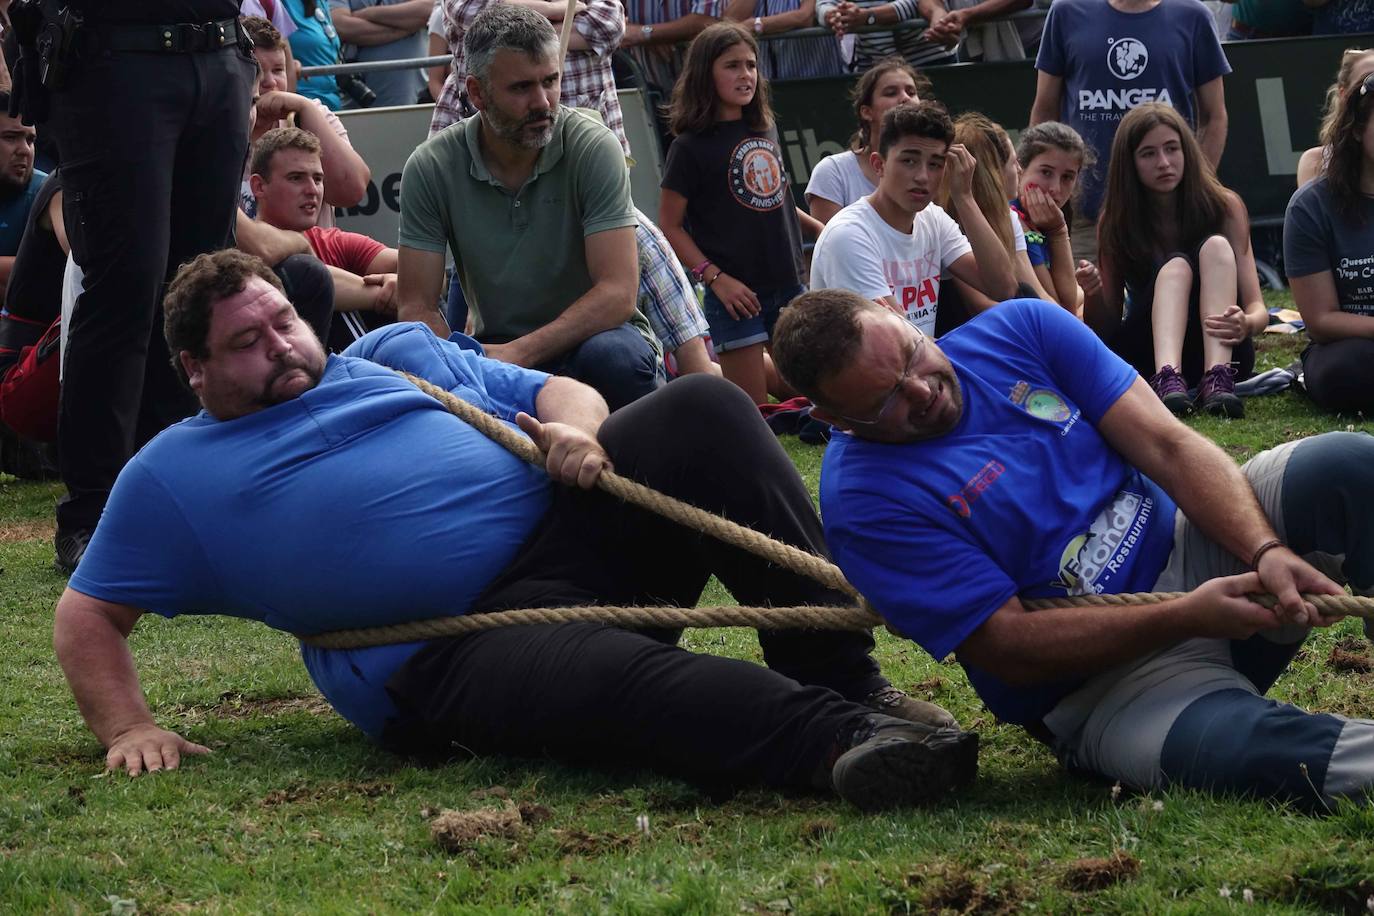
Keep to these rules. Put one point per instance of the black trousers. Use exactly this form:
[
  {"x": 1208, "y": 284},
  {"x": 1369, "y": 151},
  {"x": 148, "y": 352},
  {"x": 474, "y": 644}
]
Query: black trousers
[
  {"x": 152, "y": 149},
  {"x": 311, "y": 290},
  {"x": 594, "y": 694},
  {"x": 1340, "y": 375}
]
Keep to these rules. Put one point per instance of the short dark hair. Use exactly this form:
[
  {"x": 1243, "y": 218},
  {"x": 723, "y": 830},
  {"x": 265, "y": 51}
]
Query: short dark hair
[
  {"x": 915, "y": 119},
  {"x": 505, "y": 26},
  {"x": 276, "y": 140},
  {"x": 818, "y": 335},
  {"x": 263, "y": 34},
  {"x": 4, "y": 101},
  {"x": 193, "y": 292}
]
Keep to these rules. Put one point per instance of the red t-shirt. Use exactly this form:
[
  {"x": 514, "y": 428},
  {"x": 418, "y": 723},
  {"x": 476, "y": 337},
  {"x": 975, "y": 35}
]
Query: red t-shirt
[{"x": 348, "y": 251}]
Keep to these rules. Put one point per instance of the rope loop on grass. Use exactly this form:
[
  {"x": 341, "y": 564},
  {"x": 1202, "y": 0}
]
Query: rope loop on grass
[{"x": 818, "y": 569}]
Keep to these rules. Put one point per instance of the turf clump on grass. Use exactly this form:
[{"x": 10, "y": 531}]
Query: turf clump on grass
[{"x": 295, "y": 812}]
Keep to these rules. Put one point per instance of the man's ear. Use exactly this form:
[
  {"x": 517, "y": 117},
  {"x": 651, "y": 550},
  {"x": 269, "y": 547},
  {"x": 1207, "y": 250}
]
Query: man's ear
[
  {"x": 820, "y": 413},
  {"x": 474, "y": 88},
  {"x": 876, "y": 160},
  {"x": 256, "y": 184},
  {"x": 194, "y": 369}
]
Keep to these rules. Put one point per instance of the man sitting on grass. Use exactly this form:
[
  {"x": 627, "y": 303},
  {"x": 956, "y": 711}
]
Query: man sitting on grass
[
  {"x": 319, "y": 494},
  {"x": 1021, "y": 458}
]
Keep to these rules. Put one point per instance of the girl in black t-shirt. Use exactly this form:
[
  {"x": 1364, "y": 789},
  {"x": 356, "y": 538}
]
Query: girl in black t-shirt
[
  {"x": 1178, "y": 242},
  {"x": 726, "y": 204}
]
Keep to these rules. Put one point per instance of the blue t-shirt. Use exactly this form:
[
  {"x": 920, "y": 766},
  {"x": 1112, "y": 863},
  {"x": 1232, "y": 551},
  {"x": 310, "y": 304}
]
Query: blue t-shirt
[
  {"x": 315, "y": 43},
  {"x": 14, "y": 215},
  {"x": 1023, "y": 497},
  {"x": 1343, "y": 17},
  {"x": 1112, "y": 62},
  {"x": 362, "y": 502}
]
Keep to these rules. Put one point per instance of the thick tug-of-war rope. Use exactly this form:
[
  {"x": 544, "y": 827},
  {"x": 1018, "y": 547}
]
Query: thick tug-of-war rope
[{"x": 818, "y": 569}]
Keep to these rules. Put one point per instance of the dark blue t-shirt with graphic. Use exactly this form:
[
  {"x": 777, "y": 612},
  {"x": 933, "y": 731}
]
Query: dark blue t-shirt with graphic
[
  {"x": 1317, "y": 237},
  {"x": 1023, "y": 497},
  {"x": 1112, "y": 62},
  {"x": 14, "y": 214}
]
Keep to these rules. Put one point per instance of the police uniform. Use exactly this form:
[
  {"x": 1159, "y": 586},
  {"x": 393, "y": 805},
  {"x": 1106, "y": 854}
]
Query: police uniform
[{"x": 151, "y": 125}]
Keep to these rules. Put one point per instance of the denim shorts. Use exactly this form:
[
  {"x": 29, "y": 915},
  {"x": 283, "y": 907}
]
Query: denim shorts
[{"x": 729, "y": 333}]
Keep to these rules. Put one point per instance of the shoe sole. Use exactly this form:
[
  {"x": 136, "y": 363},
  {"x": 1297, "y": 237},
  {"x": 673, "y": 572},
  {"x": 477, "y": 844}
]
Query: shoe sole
[
  {"x": 1180, "y": 405},
  {"x": 1226, "y": 405},
  {"x": 894, "y": 773}
]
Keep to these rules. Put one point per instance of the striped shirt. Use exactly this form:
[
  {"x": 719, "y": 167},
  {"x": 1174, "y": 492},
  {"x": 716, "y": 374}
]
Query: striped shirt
[
  {"x": 665, "y": 295},
  {"x": 587, "y": 79},
  {"x": 871, "y": 47},
  {"x": 796, "y": 58},
  {"x": 661, "y": 63}
]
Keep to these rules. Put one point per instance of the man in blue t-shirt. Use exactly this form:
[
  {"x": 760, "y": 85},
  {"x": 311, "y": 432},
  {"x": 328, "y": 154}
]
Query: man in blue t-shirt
[
  {"x": 1100, "y": 58},
  {"x": 320, "y": 494},
  {"x": 1020, "y": 458}
]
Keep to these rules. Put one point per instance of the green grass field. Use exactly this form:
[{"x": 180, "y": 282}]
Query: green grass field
[{"x": 295, "y": 812}]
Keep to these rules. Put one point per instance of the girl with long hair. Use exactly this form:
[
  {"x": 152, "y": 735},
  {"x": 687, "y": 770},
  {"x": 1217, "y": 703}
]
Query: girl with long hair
[
  {"x": 1356, "y": 64},
  {"x": 726, "y": 206},
  {"x": 996, "y": 175},
  {"x": 1178, "y": 242},
  {"x": 1052, "y": 156},
  {"x": 842, "y": 178},
  {"x": 1328, "y": 251}
]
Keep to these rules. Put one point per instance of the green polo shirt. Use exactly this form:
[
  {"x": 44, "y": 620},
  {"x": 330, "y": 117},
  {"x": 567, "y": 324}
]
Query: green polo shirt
[{"x": 520, "y": 256}]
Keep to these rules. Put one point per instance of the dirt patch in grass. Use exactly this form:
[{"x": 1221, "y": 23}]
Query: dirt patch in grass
[
  {"x": 817, "y": 831},
  {"x": 327, "y": 792},
  {"x": 235, "y": 706},
  {"x": 1350, "y": 655},
  {"x": 31, "y": 530},
  {"x": 458, "y": 831},
  {"x": 588, "y": 845},
  {"x": 958, "y": 889},
  {"x": 1097, "y": 874}
]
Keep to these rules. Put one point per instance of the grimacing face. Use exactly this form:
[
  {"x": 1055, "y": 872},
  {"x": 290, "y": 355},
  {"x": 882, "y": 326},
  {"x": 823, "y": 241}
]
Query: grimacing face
[
  {"x": 259, "y": 353},
  {"x": 899, "y": 387}
]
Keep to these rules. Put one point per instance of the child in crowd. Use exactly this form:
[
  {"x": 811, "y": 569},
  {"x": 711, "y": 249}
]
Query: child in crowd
[
  {"x": 1179, "y": 242},
  {"x": 726, "y": 206},
  {"x": 1052, "y": 156},
  {"x": 1328, "y": 245},
  {"x": 894, "y": 245},
  {"x": 842, "y": 178},
  {"x": 1356, "y": 64},
  {"x": 995, "y": 178}
]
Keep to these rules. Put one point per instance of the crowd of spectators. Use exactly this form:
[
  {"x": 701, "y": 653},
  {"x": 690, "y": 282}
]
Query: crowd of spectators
[{"x": 1107, "y": 207}]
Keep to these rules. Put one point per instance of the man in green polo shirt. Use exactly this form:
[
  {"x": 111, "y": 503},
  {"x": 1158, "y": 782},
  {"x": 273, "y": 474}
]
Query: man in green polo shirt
[{"x": 534, "y": 202}]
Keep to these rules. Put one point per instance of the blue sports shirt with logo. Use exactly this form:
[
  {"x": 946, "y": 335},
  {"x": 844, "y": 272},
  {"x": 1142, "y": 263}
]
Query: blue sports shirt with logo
[{"x": 1023, "y": 497}]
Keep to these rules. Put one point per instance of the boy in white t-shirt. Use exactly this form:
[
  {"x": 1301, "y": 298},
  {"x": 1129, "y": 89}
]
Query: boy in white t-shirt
[{"x": 893, "y": 245}]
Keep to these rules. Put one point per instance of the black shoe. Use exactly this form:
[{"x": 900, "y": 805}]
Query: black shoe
[
  {"x": 892, "y": 763},
  {"x": 892, "y": 702},
  {"x": 71, "y": 547}
]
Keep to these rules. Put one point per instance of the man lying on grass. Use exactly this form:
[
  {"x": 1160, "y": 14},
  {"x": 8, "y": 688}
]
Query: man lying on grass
[
  {"x": 1020, "y": 457},
  {"x": 320, "y": 494}
]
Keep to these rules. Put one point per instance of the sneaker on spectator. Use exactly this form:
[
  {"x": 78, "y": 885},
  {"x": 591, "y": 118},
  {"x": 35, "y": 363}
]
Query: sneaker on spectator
[
  {"x": 1217, "y": 393},
  {"x": 1172, "y": 390},
  {"x": 891, "y": 763},
  {"x": 71, "y": 547},
  {"x": 892, "y": 702}
]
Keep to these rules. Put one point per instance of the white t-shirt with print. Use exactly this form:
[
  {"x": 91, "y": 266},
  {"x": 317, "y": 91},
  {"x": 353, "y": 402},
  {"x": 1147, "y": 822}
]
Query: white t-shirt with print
[{"x": 859, "y": 251}]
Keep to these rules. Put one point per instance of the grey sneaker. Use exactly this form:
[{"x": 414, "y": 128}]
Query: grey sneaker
[
  {"x": 893, "y": 763},
  {"x": 892, "y": 702}
]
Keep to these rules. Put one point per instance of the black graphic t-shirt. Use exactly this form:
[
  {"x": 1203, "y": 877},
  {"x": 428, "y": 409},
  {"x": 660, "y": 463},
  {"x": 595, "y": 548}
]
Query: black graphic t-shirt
[{"x": 740, "y": 210}]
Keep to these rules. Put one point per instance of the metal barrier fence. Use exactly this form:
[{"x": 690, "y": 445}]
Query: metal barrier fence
[{"x": 376, "y": 66}]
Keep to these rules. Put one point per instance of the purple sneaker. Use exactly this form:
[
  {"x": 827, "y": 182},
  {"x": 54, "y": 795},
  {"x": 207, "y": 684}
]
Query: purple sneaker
[
  {"x": 1217, "y": 393},
  {"x": 1172, "y": 390}
]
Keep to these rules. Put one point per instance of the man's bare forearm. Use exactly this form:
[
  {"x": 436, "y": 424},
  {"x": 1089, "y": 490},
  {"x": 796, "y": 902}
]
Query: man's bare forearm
[
  {"x": 605, "y": 306},
  {"x": 94, "y": 655},
  {"x": 565, "y": 400}
]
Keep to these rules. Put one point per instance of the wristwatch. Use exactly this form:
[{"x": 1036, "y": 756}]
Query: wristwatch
[
  {"x": 758, "y": 25},
  {"x": 646, "y": 32},
  {"x": 872, "y": 19}
]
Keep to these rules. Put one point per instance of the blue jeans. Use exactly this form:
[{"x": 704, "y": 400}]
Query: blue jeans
[
  {"x": 619, "y": 363},
  {"x": 730, "y": 333}
]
